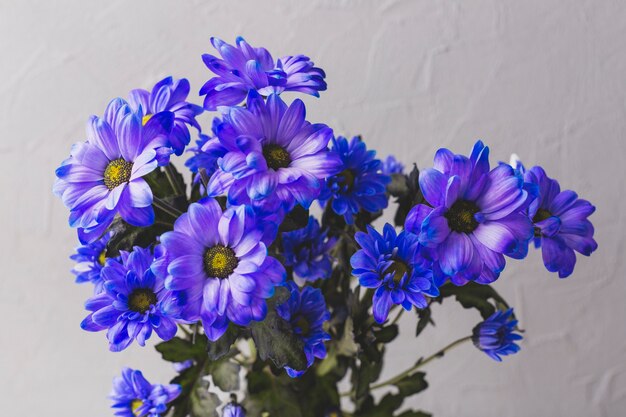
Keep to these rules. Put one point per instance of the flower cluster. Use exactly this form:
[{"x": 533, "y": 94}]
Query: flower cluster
[{"x": 243, "y": 257}]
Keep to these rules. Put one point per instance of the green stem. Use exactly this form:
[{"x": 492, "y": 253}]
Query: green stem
[
  {"x": 417, "y": 366},
  {"x": 169, "y": 173},
  {"x": 165, "y": 207},
  {"x": 395, "y": 320}
]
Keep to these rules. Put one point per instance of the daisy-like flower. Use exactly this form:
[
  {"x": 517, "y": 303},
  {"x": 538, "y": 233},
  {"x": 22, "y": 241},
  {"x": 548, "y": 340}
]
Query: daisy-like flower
[
  {"x": 392, "y": 166},
  {"x": 272, "y": 154},
  {"x": 169, "y": 95},
  {"x": 474, "y": 217},
  {"x": 393, "y": 265},
  {"x": 218, "y": 260},
  {"x": 495, "y": 336},
  {"x": 307, "y": 250},
  {"x": 134, "y": 396},
  {"x": 233, "y": 409},
  {"x": 243, "y": 68},
  {"x": 360, "y": 184},
  {"x": 90, "y": 259},
  {"x": 103, "y": 176},
  {"x": 560, "y": 223},
  {"x": 306, "y": 312},
  {"x": 134, "y": 304}
]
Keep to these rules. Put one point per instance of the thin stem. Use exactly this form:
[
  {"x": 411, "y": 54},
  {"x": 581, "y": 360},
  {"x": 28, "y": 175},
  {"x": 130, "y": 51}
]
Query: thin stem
[
  {"x": 395, "y": 320},
  {"x": 163, "y": 206},
  {"x": 169, "y": 173},
  {"x": 184, "y": 330},
  {"x": 417, "y": 366}
]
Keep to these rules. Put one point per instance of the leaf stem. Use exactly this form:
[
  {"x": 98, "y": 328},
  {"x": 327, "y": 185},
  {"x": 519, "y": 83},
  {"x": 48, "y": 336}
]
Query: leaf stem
[
  {"x": 169, "y": 173},
  {"x": 165, "y": 207},
  {"x": 395, "y": 320}
]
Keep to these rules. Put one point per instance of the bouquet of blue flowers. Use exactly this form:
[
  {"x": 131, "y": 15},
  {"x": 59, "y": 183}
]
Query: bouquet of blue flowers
[{"x": 241, "y": 282}]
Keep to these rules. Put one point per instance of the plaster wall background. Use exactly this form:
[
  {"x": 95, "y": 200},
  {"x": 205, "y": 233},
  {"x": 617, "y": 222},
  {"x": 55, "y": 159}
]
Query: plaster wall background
[{"x": 542, "y": 78}]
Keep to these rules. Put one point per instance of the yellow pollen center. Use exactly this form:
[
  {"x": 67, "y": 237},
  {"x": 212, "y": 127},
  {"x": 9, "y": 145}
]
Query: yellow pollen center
[
  {"x": 276, "y": 156},
  {"x": 134, "y": 406},
  {"x": 117, "y": 172},
  {"x": 102, "y": 257},
  {"x": 398, "y": 268},
  {"x": 146, "y": 118},
  {"x": 220, "y": 261},
  {"x": 141, "y": 299}
]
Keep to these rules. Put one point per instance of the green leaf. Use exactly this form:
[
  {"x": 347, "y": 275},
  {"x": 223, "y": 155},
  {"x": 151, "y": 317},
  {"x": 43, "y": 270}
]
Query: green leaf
[
  {"x": 203, "y": 402},
  {"x": 412, "y": 413},
  {"x": 425, "y": 318},
  {"x": 222, "y": 346},
  {"x": 412, "y": 384},
  {"x": 295, "y": 219},
  {"x": 180, "y": 350},
  {"x": 386, "y": 334},
  {"x": 226, "y": 375},
  {"x": 125, "y": 236},
  {"x": 481, "y": 297}
]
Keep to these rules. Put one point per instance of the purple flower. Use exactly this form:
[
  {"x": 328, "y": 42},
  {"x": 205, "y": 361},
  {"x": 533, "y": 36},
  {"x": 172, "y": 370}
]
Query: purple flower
[
  {"x": 561, "y": 224},
  {"x": 90, "y": 259},
  {"x": 169, "y": 95},
  {"x": 474, "y": 216},
  {"x": 306, "y": 312},
  {"x": 495, "y": 336},
  {"x": 272, "y": 156},
  {"x": 307, "y": 250},
  {"x": 134, "y": 396},
  {"x": 392, "y": 166},
  {"x": 244, "y": 68},
  {"x": 393, "y": 265},
  {"x": 103, "y": 176},
  {"x": 233, "y": 409},
  {"x": 219, "y": 262},
  {"x": 135, "y": 302}
]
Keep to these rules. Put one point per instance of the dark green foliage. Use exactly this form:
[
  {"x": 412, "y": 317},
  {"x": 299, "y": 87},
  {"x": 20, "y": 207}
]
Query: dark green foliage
[
  {"x": 481, "y": 297},
  {"x": 407, "y": 192}
]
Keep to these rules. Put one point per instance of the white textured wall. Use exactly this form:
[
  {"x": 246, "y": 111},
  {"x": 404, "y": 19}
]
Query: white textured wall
[{"x": 543, "y": 78}]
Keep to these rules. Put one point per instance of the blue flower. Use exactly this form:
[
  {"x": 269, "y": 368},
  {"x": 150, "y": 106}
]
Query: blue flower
[
  {"x": 134, "y": 396},
  {"x": 306, "y": 312},
  {"x": 103, "y": 176},
  {"x": 135, "y": 302},
  {"x": 392, "y": 264},
  {"x": 90, "y": 259},
  {"x": 233, "y": 409},
  {"x": 392, "y": 166},
  {"x": 307, "y": 250},
  {"x": 495, "y": 336},
  {"x": 360, "y": 184},
  {"x": 244, "y": 68},
  {"x": 474, "y": 217},
  {"x": 181, "y": 366},
  {"x": 560, "y": 222},
  {"x": 272, "y": 154},
  {"x": 219, "y": 262},
  {"x": 169, "y": 95}
]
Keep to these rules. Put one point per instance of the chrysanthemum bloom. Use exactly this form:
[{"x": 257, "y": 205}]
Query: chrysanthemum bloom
[
  {"x": 392, "y": 166},
  {"x": 495, "y": 336},
  {"x": 134, "y": 396},
  {"x": 135, "y": 302},
  {"x": 90, "y": 259},
  {"x": 474, "y": 218},
  {"x": 307, "y": 250},
  {"x": 233, "y": 409},
  {"x": 272, "y": 153},
  {"x": 203, "y": 158},
  {"x": 393, "y": 265},
  {"x": 169, "y": 95},
  {"x": 306, "y": 311},
  {"x": 360, "y": 184},
  {"x": 219, "y": 261},
  {"x": 103, "y": 176},
  {"x": 244, "y": 68},
  {"x": 561, "y": 224}
]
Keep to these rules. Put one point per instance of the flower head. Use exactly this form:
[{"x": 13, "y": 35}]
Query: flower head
[
  {"x": 474, "y": 218},
  {"x": 272, "y": 154},
  {"x": 243, "y": 68},
  {"x": 306, "y": 311},
  {"x": 219, "y": 262},
  {"x": 103, "y": 176},
  {"x": 233, "y": 409},
  {"x": 392, "y": 166},
  {"x": 360, "y": 184},
  {"x": 560, "y": 223},
  {"x": 169, "y": 95},
  {"x": 307, "y": 250},
  {"x": 393, "y": 265},
  {"x": 134, "y": 396},
  {"x": 134, "y": 303},
  {"x": 495, "y": 336},
  {"x": 90, "y": 259}
]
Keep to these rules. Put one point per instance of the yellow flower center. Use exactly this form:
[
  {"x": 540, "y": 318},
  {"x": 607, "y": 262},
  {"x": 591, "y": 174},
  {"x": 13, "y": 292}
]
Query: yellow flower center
[
  {"x": 102, "y": 257},
  {"x": 461, "y": 216},
  {"x": 134, "y": 406},
  {"x": 141, "y": 299},
  {"x": 146, "y": 118},
  {"x": 276, "y": 156},
  {"x": 117, "y": 172},
  {"x": 398, "y": 268},
  {"x": 220, "y": 261}
]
